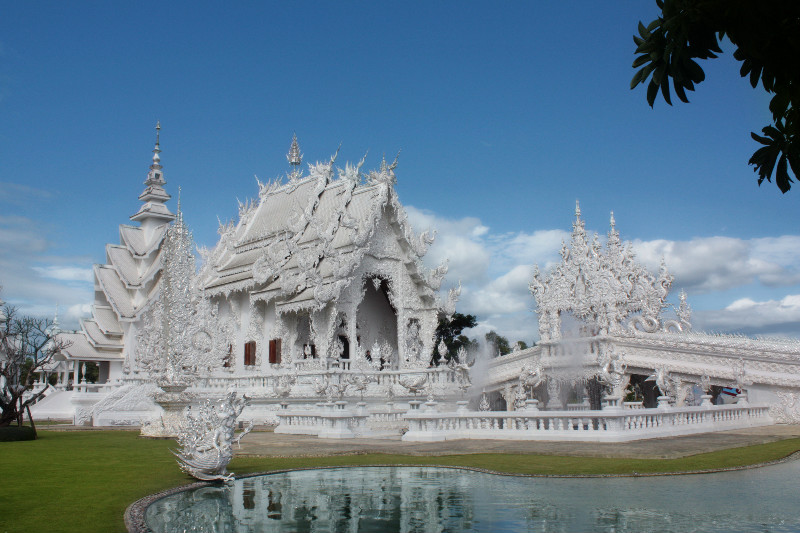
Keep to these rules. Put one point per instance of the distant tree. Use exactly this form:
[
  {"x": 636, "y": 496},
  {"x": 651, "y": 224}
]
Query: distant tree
[
  {"x": 450, "y": 333},
  {"x": 92, "y": 372},
  {"x": 497, "y": 343},
  {"x": 27, "y": 345},
  {"x": 766, "y": 34}
]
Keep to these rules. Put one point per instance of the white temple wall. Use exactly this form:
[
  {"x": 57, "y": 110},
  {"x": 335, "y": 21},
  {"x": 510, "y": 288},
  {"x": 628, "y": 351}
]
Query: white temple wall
[
  {"x": 115, "y": 371},
  {"x": 240, "y": 312},
  {"x": 129, "y": 331},
  {"x": 268, "y": 333}
]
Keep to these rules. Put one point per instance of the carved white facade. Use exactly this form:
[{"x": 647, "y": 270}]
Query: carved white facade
[
  {"x": 325, "y": 268},
  {"x": 124, "y": 287},
  {"x": 603, "y": 315},
  {"x": 318, "y": 292}
]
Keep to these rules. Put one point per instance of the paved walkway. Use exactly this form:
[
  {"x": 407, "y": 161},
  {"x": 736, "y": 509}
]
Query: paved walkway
[{"x": 267, "y": 443}]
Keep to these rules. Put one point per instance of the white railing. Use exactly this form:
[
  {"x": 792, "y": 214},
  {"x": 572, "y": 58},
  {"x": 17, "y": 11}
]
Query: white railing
[
  {"x": 338, "y": 420},
  {"x": 328, "y": 421},
  {"x": 617, "y": 425},
  {"x": 268, "y": 382}
]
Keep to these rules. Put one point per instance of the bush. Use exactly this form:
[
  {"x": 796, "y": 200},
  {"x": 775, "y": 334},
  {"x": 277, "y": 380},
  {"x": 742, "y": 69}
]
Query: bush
[{"x": 14, "y": 433}]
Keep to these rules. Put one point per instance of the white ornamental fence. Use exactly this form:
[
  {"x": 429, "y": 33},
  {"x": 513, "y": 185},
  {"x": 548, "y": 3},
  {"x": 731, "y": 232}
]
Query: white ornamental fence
[
  {"x": 336, "y": 420},
  {"x": 612, "y": 425}
]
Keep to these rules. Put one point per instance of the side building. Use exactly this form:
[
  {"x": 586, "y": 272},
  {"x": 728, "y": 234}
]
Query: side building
[{"x": 123, "y": 288}]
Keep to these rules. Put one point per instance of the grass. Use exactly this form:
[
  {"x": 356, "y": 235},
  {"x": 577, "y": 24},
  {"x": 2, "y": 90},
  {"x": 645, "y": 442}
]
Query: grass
[{"x": 83, "y": 481}]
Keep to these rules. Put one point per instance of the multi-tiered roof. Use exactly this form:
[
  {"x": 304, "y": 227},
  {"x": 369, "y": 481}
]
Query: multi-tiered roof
[
  {"x": 301, "y": 242},
  {"x": 128, "y": 281}
]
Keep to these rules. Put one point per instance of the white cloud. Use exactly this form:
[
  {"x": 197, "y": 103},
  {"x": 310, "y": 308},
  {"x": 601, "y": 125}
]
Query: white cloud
[
  {"x": 507, "y": 294},
  {"x": 68, "y": 273},
  {"x": 769, "y": 317},
  {"x": 36, "y": 282},
  {"x": 720, "y": 263},
  {"x": 495, "y": 270},
  {"x": 458, "y": 241},
  {"x": 18, "y": 194}
]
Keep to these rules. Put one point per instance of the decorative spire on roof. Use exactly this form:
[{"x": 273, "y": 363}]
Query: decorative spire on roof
[
  {"x": 56, "y": 327},
  {"x": 294, "y": 156},
  {"x": 154, "y": 196},
  {"x": 578, "y": 227},
  {"x": 156, "y": 176},
  {"x": 613, "y": 222}
]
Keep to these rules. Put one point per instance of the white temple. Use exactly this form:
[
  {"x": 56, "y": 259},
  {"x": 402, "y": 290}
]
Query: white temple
[{"x": 317, "y": 297}]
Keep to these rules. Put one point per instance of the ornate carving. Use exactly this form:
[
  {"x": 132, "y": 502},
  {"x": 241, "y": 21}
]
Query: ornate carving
[
  {"x": 787, "y": 410},
  {"x": 207, "y": 438},
  {"x": 602, "y": 288},
  {"x": 180, "y": 334}
]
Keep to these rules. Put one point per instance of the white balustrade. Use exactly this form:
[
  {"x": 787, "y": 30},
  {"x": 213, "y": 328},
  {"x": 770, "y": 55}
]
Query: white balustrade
[{"x": 618, "y": 425}]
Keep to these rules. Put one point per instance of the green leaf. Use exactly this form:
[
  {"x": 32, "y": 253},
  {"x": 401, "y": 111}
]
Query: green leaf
[
  {"x": 641, "y": 60},
  {"x": 652, "y": 91},
  {"x": 779, "y": 104},
  {"x": 636, "y": 80},
  {"x": 794, "y": 162},
  {"x": 782, "y": 179},
  {"x": 755, "y": 74},
  {"x": 665, "y": 91},
  {"x": 745, "y": 68},
  {"x": 695, "y": 71},
  {"x": 680, "y": 92},
  {"x": 759, "y": 138}
]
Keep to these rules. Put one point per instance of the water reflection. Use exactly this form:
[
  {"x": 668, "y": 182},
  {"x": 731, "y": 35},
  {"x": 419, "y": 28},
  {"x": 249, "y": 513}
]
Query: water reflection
[{"x": 421, "y": 499}]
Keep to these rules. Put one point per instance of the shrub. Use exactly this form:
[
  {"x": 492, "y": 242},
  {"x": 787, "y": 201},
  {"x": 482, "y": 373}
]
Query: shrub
[{"x": 14, "y": 433}]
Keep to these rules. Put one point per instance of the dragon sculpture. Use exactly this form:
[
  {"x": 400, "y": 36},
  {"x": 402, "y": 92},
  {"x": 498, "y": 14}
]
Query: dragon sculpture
[{"x": 207, "y": 438}]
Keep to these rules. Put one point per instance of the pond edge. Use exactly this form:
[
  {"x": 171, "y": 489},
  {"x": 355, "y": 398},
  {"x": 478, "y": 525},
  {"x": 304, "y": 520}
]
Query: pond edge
[{"x": 134, "y": 514}]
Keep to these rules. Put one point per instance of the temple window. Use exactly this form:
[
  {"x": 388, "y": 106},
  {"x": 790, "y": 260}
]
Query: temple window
[
  {"x": 275, "y": 352},
  {"x": 250, "y": 353}
]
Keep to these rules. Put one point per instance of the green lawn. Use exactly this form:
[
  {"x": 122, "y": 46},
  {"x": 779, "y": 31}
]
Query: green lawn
[{"x": 83, "y": 481}]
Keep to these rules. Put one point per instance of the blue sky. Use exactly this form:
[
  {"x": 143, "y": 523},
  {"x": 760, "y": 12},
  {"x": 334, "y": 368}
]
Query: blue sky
[{"x": 504, "y": 113}]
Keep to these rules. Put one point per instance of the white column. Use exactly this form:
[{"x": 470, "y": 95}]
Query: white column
[
  {"x": 352, "y": 330},
  {"x": 75, "y": 367}
]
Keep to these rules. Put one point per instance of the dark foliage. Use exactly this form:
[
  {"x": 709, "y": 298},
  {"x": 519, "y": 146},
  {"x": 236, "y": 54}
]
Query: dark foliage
[
  {"x": 766, "y": 34},
  {"x": 497, "y": 344},
  {"x": 450, "y": 333}
]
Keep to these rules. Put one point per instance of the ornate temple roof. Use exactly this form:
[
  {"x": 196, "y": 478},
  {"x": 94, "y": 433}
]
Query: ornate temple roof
[
  {"x": 136, "y": 241},
  {"x": 128, "y": 282},
  {"x": 305, "y": 236},
  {"x": 602, "y": 286},
  {"x": 154, "y": 196},
  {"x": 80, "y": 347}
]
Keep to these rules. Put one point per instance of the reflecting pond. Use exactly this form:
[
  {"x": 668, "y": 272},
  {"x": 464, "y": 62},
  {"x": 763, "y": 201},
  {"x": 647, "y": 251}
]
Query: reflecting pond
[{"x": 426, "y": 499}]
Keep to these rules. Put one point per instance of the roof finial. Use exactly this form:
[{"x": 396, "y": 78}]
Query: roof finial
[
  {"x": 577, "y": 209},
  {"x": 157, "y": 150},
  {"x": 179, "y": 199},
  {"x": 294, "y": 156},
  {"x": 613, "y": 222}
]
